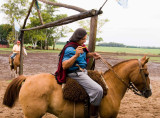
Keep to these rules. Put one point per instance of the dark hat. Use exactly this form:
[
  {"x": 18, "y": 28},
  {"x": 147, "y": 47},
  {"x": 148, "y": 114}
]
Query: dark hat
[{"x": 78, "y": 35}]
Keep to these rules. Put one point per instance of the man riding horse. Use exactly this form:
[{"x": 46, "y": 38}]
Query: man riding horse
[
  {"x": 73, "y": 63},
  {"x": 16, "y": 49}
]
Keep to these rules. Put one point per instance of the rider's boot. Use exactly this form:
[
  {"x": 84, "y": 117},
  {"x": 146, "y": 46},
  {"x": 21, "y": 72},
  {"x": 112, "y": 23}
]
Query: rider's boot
[
  {"x": 93, "y": 111},
  {"x": 11, "y": 62}
]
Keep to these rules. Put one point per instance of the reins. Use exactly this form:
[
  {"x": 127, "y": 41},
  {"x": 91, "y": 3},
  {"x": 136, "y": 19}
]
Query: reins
[
  {"x": 131, "y": 86},
  {"x": 110, "y": 67}
]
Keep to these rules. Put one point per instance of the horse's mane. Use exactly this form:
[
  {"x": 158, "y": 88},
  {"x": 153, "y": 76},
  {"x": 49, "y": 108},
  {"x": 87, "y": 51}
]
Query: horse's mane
[{"x": 120, "y": 63}]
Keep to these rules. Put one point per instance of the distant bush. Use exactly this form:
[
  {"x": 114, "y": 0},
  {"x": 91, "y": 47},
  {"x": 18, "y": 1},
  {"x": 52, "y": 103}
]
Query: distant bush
[
  {"x": 4, "y": 42},
  {"x": 60, "y": 43},
  {"x": 112, "y": 44}
]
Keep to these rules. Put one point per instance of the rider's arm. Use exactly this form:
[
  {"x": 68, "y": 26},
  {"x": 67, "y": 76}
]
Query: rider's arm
[
  {"x": 14, "y": 48},
  {"x": 69, "y": 62}
]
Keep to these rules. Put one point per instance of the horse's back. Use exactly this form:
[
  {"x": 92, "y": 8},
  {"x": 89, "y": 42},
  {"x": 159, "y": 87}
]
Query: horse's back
[
  {"x": 39, "y": 83},
  {"x": 35, "y": 93}
]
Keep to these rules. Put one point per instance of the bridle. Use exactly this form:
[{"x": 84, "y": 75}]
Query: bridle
[
  {"x": 136, "y": 91},
  {"x": 130, "y": 86}
]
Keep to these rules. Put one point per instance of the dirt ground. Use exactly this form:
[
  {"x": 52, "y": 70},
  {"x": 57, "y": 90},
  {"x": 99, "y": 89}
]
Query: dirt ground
[{"x": 132, "y": 106}]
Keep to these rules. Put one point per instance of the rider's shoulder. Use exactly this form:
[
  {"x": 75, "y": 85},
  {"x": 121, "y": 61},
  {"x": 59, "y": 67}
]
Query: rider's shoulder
[{"x": 70, "y": 49}]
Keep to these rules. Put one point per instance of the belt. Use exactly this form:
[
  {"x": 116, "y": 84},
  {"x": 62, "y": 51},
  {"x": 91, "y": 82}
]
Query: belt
[{"x": 73, "y": 71}]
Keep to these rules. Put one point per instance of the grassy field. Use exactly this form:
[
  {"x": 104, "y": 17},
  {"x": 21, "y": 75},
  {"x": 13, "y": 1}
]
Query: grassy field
[
  {"x": 123, "y": 50},
  {"x": 128, "y": 50},
  {"x": 154, "y": 54}
]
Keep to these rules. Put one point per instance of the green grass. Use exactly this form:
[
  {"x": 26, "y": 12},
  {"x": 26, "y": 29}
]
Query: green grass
[
  {"x": 42, "y": 51},
  {"x": 99, "y": 49},
  {"x": 6, "y": 49},
  {"x": 9, "y": 50},
  {"x": 154, "y": 59},
  {"x": 128, "y": 50},
  {"x": 124, "y": 50}
]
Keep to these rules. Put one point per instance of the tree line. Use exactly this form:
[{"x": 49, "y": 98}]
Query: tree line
[
  {"x": 41, "y": 38},
  {"x": 113, "y": 44}
]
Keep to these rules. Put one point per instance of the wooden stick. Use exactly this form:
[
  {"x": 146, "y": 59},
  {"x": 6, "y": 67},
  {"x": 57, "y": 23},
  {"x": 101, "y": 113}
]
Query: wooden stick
[
  {"x": 64, "y": 5},
  {"x": 21, "y": 37},
  {"x": 66, "y": 20},
  {"x": 39, "y": 13}
]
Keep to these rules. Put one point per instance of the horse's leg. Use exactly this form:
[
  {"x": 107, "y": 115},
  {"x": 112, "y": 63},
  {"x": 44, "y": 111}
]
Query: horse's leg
[
  {"x": 12, "y": 73},
  {"x": 15, "y": 71},
  {"x": 10, "y": 67},
  {"x": 33, "y": 102},
  {"x": 34, "y": 109}
]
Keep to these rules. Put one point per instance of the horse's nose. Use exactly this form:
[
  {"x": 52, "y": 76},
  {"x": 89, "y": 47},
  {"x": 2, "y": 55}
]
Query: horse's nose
[{"x": 147, "y": 93}]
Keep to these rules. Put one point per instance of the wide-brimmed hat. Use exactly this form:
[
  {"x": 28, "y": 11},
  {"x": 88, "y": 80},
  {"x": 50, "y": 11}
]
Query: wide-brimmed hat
[{"x": 78, "y": 35}]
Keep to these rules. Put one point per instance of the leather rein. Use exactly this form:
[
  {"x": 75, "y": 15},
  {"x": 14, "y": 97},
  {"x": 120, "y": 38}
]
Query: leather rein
[{"x": 130, "y": 86}]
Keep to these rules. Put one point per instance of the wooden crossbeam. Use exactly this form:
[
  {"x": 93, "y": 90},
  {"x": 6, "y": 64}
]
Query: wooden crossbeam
[
  {"x": 67, "y": 20},
  {"x": 63, "y": 5}
]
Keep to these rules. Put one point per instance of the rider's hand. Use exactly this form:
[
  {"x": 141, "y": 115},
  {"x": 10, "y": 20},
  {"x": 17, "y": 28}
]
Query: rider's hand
[
  {"x": 96, "y": 55},
  {"x": 79, "y": 50}
]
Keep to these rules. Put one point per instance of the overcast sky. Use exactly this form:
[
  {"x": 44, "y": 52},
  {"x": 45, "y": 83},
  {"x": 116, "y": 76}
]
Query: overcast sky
[{"x": 138, "y": 24}]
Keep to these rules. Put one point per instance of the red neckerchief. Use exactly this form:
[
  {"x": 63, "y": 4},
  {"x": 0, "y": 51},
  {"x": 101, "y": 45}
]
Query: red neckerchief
[{"x": 60, "y": 74}]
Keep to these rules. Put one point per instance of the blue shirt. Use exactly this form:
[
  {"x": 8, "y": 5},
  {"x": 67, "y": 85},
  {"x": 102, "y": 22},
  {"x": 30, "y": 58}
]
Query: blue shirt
[{"x": 81, "y": 60}]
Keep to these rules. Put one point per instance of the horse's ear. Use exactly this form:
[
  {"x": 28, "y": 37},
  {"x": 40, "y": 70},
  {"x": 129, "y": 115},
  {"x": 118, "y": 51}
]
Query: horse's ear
[{"x": 144, "y": 60}]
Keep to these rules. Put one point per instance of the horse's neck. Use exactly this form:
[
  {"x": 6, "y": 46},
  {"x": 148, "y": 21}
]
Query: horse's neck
[
  {"x": 115, "y": 84},
  {"x": 18, "y": 55},
  {"x": 17, "y": 58}
]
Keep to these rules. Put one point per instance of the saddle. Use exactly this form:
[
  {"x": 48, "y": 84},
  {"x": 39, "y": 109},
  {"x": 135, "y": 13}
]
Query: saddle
[{"x": 75, "y": 92}]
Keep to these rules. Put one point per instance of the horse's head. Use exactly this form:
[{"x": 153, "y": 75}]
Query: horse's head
[{"x": 140, "y": 79}]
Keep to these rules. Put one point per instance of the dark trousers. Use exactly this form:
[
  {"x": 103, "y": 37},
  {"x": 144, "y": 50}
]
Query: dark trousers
[{"x": 13, "y": 55}]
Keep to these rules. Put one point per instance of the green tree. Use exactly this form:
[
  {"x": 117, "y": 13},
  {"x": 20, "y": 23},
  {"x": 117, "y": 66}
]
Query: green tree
[
  {"x": 51, "y": 34},
  {"x": 5, "y": 29},
  {"x": 55, "y": 33},
  {"x": 86, "y": 25},
  {"x": 10, "y": 37},
  {"x": 14, "y": 9}
]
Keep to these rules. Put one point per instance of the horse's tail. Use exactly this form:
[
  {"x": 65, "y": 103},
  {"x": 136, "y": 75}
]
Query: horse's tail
[{"x": 12, "y": 91}]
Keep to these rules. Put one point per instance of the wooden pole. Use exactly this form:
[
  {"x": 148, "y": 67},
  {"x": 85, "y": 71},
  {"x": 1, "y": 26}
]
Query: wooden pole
[
  {"x": 92, "y": 38},
  {"x": 63, "y": 5},
  {"x": 39, "y": 13},
  {"x": 41, "y": 20},
  {"x": 21, "y": 38},
  {"x": 66, "y": 20}
]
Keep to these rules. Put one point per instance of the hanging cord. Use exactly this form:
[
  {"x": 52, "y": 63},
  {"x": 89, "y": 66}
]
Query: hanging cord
[
  {"x": 74, "y": 113},
  {"x": 102, "y": 6},
  {"x": 37, "y": 4}
]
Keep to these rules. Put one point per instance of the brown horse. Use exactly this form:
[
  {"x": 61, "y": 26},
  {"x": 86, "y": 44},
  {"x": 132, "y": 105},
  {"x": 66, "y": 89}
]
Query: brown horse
[
  {"x": 16, "y": 63},
  {"x": 40, "y": 93}
]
